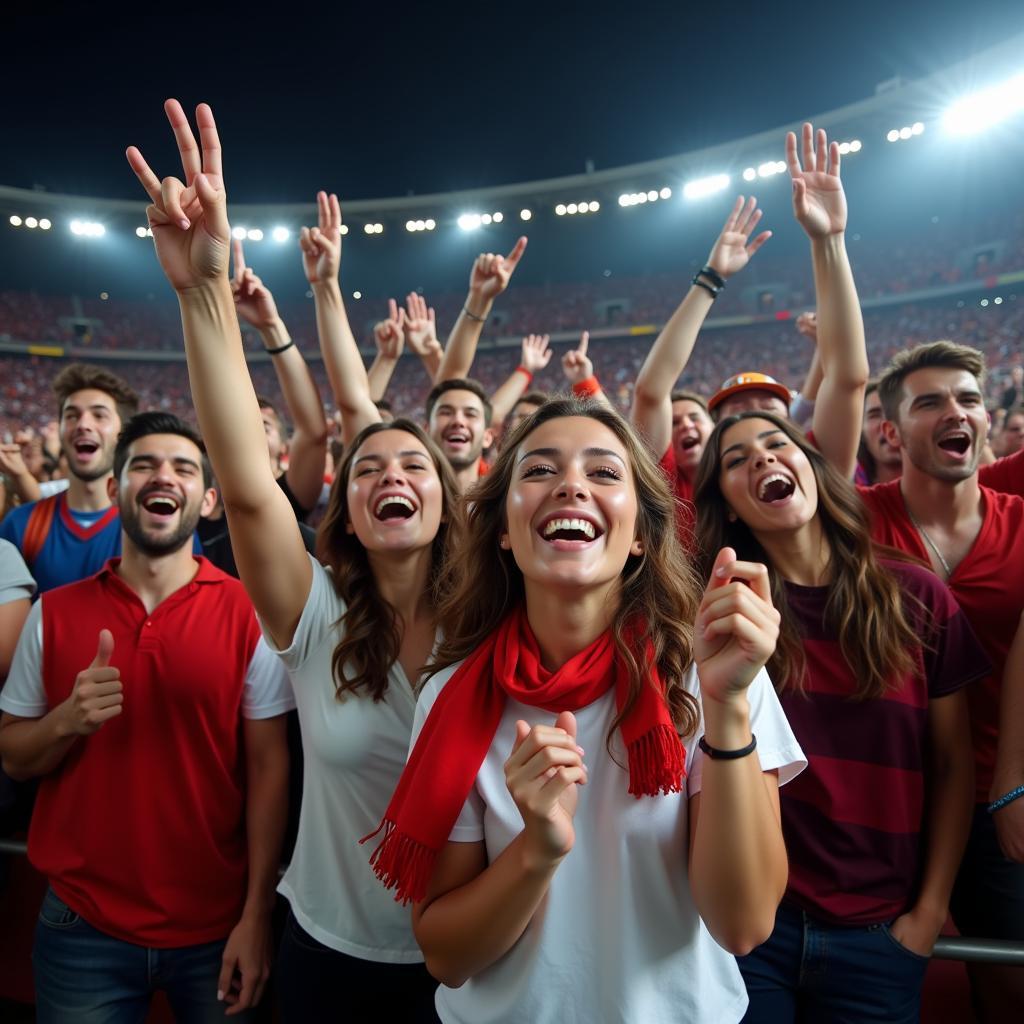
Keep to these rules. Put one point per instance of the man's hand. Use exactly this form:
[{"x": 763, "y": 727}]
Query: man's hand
[
  {"x": 420, "y": 326},
  {"x": 491, "y": 273},
  {"x": 732, "y": 250},
  {"x": 321, "y": 246},
  {"x": 245, "y": 966},
  {"x": 253, "y": 300},
  {"x": 576, "y": 365},
  {"x": 917, "y": 930},
  {"x": 819, "y": 202},
  {"x": 189, "y": 218},
  {"x": 387, "y": 335},
  {"x": 97, "y": 695},
  {"x": 536, "y": 354},
  {"x": 11, "y": 462}
]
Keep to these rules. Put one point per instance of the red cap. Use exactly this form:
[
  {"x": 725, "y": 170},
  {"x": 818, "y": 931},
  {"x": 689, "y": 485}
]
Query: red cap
[{"x": 749, "y": 382}]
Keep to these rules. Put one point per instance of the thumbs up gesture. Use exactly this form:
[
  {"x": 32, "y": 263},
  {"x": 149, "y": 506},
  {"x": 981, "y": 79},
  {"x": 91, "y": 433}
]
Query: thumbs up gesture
[
  {"x": 97, "y": 694},
  {"x": 542, "y": 774}
]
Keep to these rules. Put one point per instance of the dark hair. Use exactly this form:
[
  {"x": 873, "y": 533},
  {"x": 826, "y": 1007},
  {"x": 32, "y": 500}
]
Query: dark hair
[
  {"x": 460, "y": 384},
  {"x": 945, "y": 354},
  {"x": 537, "y": 398},
  {"x": 691, "y": 396},
  {"x": 82, "y": 376},
  {"x": 659, "y": 588},
  {"x": 371, "y": 628},
  {"x": 155, "y": 422},
  {"x": 383, "y": 405},
  {"x": 865, "y": 607}
]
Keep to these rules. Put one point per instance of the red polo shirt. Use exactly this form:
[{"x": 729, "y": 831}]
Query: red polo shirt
[{"x": 141, "y": 829}]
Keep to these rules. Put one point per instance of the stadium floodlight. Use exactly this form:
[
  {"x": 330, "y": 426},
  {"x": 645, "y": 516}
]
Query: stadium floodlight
[
  {"x": 998, "y": 300},
  {"x": 665, "y": 193},
  {"x": 750, "y": 174},
  {"x": 44, "y": 224},
  {"x": 498, "y": 216},
  {"x": 485, "y": 219},
  {"x": 87, "y": 228},
  {"x": 905, "y": 132},
  {"x": 594, "y": 206},
  {"x": 560, "y": 209},
  {"x": 357, "y": 295},
  {"x": 31, "y": 222},
  {"x": 917, "y": 128},
  {"x": 280, "y": 234},
  {"x": 701, "y": 188},
  {"x": 15, "y": 221},
  {"x": 140, "y": 232},
  {"x": 624, "y": 200},
  {"x": 652, "y": 195},
  {"x": 572, "y": 208},
  {"x": 893, "y": 135},
  {"x": 430, "y": 223},
  {"x": 856, "y": 146},
  {"x": 469, "y": 221},
  {"x": 344, "y": 229},
  {"x": 239, "y": 233},
  {"x": 410, "y": 225},
  {"x": 767, "y": 169},
  {"x": 254, "y": 235},
  {"x": 984, "y": 302},
  {"x": 374, "y": 229},
  {"x": 982, "y": 110},
  {"x": 525, "y": 214}
]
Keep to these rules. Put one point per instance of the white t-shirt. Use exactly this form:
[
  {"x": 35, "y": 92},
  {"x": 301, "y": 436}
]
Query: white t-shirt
[
  {"x": 265, "y": 693},
  {"x": 353, "y": 754},
  {"x": 616, "y": 938}
]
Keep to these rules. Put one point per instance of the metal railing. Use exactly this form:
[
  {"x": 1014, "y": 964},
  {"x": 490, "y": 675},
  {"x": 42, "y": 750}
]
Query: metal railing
[{"x": 948, "y": 947}]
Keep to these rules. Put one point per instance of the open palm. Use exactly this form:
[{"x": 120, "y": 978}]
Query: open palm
[
  {"x": 819, "y": 202},
  {"x": 732, "y": 249}
]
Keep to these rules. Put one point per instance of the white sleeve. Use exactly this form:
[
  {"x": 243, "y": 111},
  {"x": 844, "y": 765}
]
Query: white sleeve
[
  {"x": 801, "y": 411},
  {"x": 48, "y": 488},
  {"x": 777, "y": 748},
  {"x": 268, "y": 690},
  {"x": 23, "y": 694},
  {"x": 469, "y": 826},
  {"x": 322, "y": 610},
  {"x": 16, "y": 582}
]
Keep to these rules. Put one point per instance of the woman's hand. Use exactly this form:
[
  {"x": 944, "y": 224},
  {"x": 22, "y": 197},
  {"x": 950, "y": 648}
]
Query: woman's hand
[
  {"x": 321, "y": 246},
  {"x": 387, "y": 335},
  {"x": 576, "y": 364},
  {"x": 253, "y": 300},
  {"x": 819, "y": 202},
  {"x": 737, "y": 628},
  {"x": 542, "y": 774},
  {"x": 732, "y": 249},
  {"x": 189, "y": 218}
]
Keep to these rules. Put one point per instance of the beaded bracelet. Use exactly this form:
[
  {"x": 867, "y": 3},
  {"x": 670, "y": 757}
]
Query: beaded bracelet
[{"x": 1006, "y": 798}]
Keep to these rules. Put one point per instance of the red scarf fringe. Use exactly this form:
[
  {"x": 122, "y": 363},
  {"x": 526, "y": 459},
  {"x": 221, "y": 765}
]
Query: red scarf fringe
[
  {"x": 656, "y": 763},
  {"x": 402, "y": 864}
]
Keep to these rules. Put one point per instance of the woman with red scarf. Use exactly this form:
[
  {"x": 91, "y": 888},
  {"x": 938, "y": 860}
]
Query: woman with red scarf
[{"x": 581, "y": 816}]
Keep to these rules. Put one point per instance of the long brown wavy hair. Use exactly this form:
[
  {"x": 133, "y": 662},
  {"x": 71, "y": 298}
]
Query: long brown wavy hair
[
  {"x": 659, "y": 588},
  {"x": 371, "y": 628},
  {"x": 865, "y": 607}
]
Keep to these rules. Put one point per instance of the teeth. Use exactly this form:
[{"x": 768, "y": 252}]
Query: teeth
[
  {"x": 161, "y": 505},
  {"x": 583, "y": 525},
  {"x": 771, "y": 478},
  {"x": 394, "y": 499}
]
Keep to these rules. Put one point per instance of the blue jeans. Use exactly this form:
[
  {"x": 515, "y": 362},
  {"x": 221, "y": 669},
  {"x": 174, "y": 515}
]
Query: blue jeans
[
  {"x": 821, "y": 973},
  {"x": 84, "y": 976}
]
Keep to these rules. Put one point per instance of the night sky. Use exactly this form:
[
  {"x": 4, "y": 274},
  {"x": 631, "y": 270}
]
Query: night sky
[{"x": 389, "y": 101}]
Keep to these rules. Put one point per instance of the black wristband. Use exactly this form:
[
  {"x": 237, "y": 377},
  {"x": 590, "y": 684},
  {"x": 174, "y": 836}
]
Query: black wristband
[
  {"x": 727, "y": 755},
  {"x": 281, "y": 348},
  {"x": 712, "y": 275},
  {"x": 710, "y": 289}
]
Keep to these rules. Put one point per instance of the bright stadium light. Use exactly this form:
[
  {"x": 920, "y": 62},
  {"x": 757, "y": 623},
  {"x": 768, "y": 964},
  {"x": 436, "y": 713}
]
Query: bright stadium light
[
  {"x": 560, "y": 210},
  {"x": 15, "y": 221},
  {"x": 665, "y": 193},
  {"x": 140, "y": 232},
  {"x": 344, "y": 229},
  {"x": 77, "y": 228},
  {"x": 239, "y": 233},
  {"x": 280, "y": 234},
  {"x": 768, "y": 169},
  {"x": 906, "y": 132},
  {"x": 410, "y": 225},
  {"x": 357, "y": 295},
  {"x": 624, "y": 200},
  {"x": 430, "y": 223},
  {"x": 525, "y": 214},
  {"x": 31, "y": 222},
  {"x": 700, "y": 188},
  {"x": 87, "y": 228},
  {"x": 254, "y": 235},
  {"x": 595, "y": 205},
  {"x": 44, "y": 224},
  {"x": 986, "y": 108},
  {"x": 893, "y": 135},
  {"x": 485, "y": 219},
  {"x": 750, "y": 174},
  {"x": 917, "y": 128},
  {"x": 652, "y": 195},
  {"x": 572, "y": 208},
  {"x": 469, "y": 221},
  {"x": 498, "y": 217}
]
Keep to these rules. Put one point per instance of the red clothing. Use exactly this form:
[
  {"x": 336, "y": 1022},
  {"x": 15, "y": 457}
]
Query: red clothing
[
  {"x": 686, "y": 511},
  {"x": 856, "y": 859},
  {"x": 988, "y": 585},
  {"x": 141, "y": 829},
  {"x": 1006, "y": 474}
]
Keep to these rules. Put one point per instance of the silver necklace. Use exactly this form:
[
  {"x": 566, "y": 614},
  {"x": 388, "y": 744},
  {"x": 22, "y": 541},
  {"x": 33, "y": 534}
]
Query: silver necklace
[{"x": 921, "y": 530}]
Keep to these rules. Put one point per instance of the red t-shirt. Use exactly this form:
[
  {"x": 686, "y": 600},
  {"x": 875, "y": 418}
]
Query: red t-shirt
[
  {"x": 142, "y": 828},
  {"x": 853, "y": 819},
  {"x": 686, "y": 512},
  {"x": 988, "y": 585},
  {"x": 1006, "y": 474}
]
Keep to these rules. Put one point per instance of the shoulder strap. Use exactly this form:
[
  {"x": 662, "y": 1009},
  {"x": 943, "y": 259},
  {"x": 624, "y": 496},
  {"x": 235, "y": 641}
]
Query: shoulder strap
[{"x": 37, "y": 529}]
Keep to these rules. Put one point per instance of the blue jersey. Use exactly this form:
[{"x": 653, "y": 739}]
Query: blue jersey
[{"x": 77, "y": 545}]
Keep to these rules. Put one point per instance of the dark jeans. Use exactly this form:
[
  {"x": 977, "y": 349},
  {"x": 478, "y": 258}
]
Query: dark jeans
[
  {"x": 317, "y": 983},
  {"x": 816, "y": 972},
  {"x": 84, "y": 976}
]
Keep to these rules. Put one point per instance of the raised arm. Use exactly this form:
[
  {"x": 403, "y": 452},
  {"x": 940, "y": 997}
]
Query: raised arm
[
  {"x": 321, "y": 260},
  {"x": 387, "y": 336},
  {"x": 819, "y": 205},
  {"x": 487, "y": 280},
  {"x": 192, "y": 237},
  {"x": 802, "y": 409},
  {"x": 307, "y": 446},
  {"x": 652, "y": 398},
  {"x": 579, "y": 372},
  {"x": 421, "y": 334},
  {"x": 534, "y": 357}
]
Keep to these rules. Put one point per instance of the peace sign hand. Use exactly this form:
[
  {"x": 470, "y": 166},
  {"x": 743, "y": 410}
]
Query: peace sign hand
[
  {"x": 819, "y": 202},
  {"x": 189, "y": 218},
  {"x": 737, "y": 627},
  {"x": 491, "y": 273},
  {"x": 732, "y": 251},
  {"x": 321, "y": 246},
  {"x": 420, "y": 325}
]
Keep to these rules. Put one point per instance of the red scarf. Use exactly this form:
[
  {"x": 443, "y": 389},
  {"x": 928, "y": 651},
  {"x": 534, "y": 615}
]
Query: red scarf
[{"x": 461, "y": 725}]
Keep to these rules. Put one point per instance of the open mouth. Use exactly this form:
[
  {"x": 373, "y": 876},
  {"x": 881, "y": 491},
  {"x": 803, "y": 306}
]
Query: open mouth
[
  {"x": 85, "y": 448},
  {"x": 957, "y": 443},
  {"x": 394, "y": 506},
  {"x": 689, "y": 442},
  {"x": 162, "y": 505},
  {"x": 457, "y": 437},
  {"x": 774, "y": 488},
  {"x": 573, "y": 529}
]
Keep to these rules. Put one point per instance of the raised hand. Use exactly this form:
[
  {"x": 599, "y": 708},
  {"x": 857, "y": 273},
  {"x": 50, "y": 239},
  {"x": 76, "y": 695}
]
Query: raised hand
[
  {"x": 576, "y": 365},
  {"x": 819, "y": 202},
  {"x": 732, "y": 249},
  {"x": 321, "y": 246},
  {"x": 97, "y": 694},
  {"x": 253, "y": 301},
  {"x": 491, "y": 273},
  {"x": 536, "y": 354},
  {"x": 737, "y": 627},
  {"x": 807, "y": 325},
  {"x": 189, "y": 218},
  {"x": 542, "y": 774},
  {"x": 420, "y": 326},
  {"x": 387, "y": 335},
  {"x": 12, "y": 463}
]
